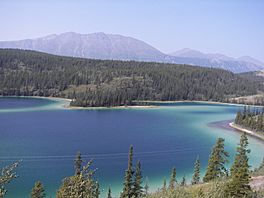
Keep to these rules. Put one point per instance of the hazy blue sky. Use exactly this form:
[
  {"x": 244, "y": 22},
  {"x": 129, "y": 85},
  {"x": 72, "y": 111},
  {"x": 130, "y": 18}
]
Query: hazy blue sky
[{"x": 233, "y": 27}]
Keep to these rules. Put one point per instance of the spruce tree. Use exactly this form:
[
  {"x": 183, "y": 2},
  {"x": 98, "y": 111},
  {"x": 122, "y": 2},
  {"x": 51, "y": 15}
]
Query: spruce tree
[
  {"x": 196, "y": 173},
  {"x": 216, "y": 165},
  {"x": 183, "y": 181},
  {"x": 81, "y": 185},
  {"x": 239, "y": 118},
  {"x": 137, "y": 190},
  {"x": 109, "y": 193},
  {"x": 38, "y": 190},
  {"x": 173, "y": 180},
  {"x": 164, "y": 187},
  {"x": 240, "y": 174},
  {"x": 128, "y": 183},
  {"x": 146, "y": 187},
  {"x": 259, "y": 123},
  {"x": 244, "y": 112},
  {"x": 7, "y": 174},
  {"x": 97, "y": 190},
  {"x": 78, "y": 163}
]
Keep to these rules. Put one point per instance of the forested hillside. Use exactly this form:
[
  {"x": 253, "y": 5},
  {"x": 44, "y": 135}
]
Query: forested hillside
[
  {"x": 112, "y": 83},
  {"x": 251, "y": 119}
]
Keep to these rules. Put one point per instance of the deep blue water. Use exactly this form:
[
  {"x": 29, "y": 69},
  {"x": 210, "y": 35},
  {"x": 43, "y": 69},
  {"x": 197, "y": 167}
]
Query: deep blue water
[
  {"x": 48, "y": 139},
  {"x": 16, "y": 102}
]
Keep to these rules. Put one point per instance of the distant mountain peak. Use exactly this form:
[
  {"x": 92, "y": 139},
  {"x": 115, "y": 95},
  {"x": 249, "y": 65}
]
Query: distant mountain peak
[
  {"x": 251, "y": 60},
  {"x": 187, "y": 52},
  {"x": 100, "y": 45}
]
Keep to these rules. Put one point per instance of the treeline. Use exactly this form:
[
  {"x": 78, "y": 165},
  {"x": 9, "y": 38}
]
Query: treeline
[
  {"x": 113, "y": 83},
  {"x": 251, "y": 119},
  {"x": 257, "y": 76},
  {"x": 217, "y": 182}
]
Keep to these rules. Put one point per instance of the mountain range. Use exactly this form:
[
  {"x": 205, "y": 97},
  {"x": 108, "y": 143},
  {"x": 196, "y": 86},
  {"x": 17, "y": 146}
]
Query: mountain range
[{"x": 118, "y": 47}]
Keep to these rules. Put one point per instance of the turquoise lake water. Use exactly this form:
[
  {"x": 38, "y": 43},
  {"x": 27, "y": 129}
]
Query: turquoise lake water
[{"x": 47, "y": 136}]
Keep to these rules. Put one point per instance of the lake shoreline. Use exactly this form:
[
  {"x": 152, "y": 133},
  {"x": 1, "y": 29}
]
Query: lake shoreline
[
  {"x": 137, "y": 106},
  {"x": 249, "y": 132},
  {"x": 155, "y": 105}
]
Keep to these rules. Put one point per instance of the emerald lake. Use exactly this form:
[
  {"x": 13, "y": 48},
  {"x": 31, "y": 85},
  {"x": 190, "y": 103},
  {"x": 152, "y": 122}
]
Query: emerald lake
[{"x": 46, "y": 136}]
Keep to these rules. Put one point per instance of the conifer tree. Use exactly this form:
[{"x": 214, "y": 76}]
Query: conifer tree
[
  {"x": 239, "y": 118},
  {"x": 259, "y": 123},
  {"x": 164, "y": 187},
  {"x": 78, "y": 163},
  {"x": 245, "y": 112},
  {"x": 240, "y": 174},
  {"x": 81, "y": 185},
  {"x": 146, "y": 187},
  {"x": 38, "y": 190},
  {"x": 7, "y": 174},
  {"x": 109, "y": 193},
  {"x": 97, "y": 190},
  {"x": 183, "y": 181},
  {"x": 138, "y": 192},
  {"x": 196, "y": 173},
  {"x": 216, "y": 165},
  {"x": 173, "y": 180},
  {"x": 128, "y": 183}
]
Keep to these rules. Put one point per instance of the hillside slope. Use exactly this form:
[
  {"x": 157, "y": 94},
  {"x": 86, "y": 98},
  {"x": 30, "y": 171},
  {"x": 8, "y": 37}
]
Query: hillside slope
[
  {"x": 118, "y": 47},
  {"x": 237, "y": 65},
  {"x": 96, "y": 45},
  {"x": 112, "y": 83}
]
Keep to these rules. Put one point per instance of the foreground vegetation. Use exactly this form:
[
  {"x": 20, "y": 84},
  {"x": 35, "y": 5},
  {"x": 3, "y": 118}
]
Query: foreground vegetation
[
  {"x": 218, "y": 182},
  {"x": 115, "y": 83}
]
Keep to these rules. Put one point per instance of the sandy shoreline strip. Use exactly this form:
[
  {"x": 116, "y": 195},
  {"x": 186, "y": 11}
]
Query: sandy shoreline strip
[
  {"x": 115, "y": 107},
  {"x": 153, "y": 106},
  {"x": 249, "y": 132},
  {"x": 190, "y": 101}
]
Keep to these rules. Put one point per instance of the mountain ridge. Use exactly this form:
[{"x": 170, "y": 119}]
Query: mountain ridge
[{"x": 118, "y": 47}]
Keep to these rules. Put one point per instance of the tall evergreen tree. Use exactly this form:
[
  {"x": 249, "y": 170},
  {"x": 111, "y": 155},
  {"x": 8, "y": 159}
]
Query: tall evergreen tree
[
  {"x": 146, "y": 187},
  {"x": 97, "y": 190},
  {"x": 196, "y": 173},
  {"x": 164, "y": 187},
  {"x": 128, "y": 183},
  {"x": 78, "y": 163},
  {"x": 259, "y": 124},
  {"x": 216, "y": 165},
  {"x": 239, "y": 118},
  {"x": 109, "y": 193},
  {"x": 7, "y": 174},
  {"x": 138, "y": 190},
  {"x": 173, "y": 180},
  {"x": 38, "y": 190},
  {"x": 183, "y": 181},
  {"x": 240, "y": 174},
  {"x": 81, "y": 185}
]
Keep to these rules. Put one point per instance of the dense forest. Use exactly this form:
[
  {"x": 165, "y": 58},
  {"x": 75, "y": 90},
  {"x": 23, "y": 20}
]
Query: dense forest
[
  {"x": 114, "y": 83},
  {"x": 251, "y": 119},
  {"x": 217, "y": 182}
]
